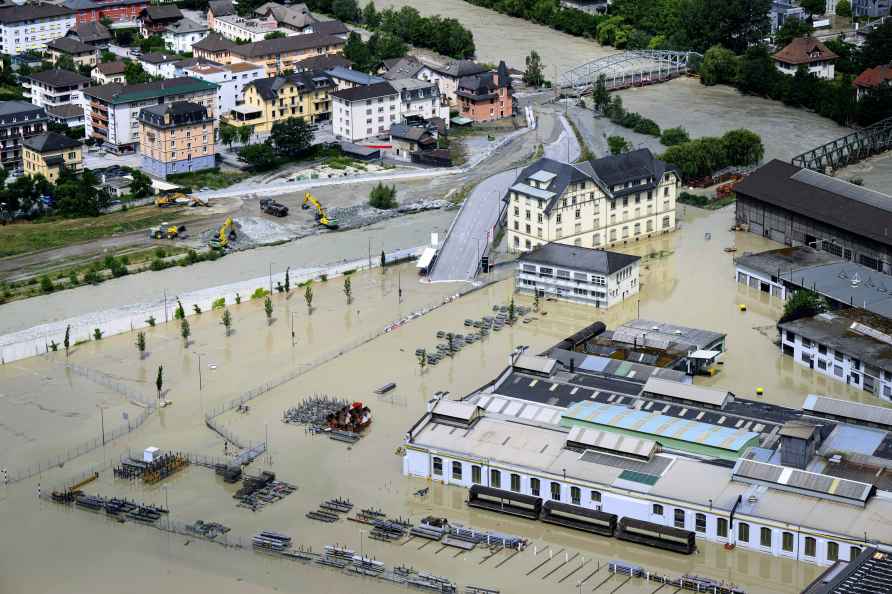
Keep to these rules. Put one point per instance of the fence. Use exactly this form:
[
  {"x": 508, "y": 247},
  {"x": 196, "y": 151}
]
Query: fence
[{"x": 104, "y": 379}]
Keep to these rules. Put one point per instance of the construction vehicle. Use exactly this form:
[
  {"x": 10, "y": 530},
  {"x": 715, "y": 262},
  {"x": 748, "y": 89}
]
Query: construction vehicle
[
  {"x": 167, "y": 231},
  {"x": 165, "y": 200},
  {"x": 321, "y": 217},
  {"x": 226, "y": 234},
  {"x": 270, "y": 206},
  {"x": 196, "y": 201}
]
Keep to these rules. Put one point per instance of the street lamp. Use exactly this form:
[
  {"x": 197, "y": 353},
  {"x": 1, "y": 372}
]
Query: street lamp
[
  {"x": 292, "y": 328},
  {"x": 200, "y": 386}
]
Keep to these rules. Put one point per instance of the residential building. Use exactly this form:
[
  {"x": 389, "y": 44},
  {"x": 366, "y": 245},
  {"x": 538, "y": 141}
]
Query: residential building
[
  {"x": 322, "y": 62},
  {"x": 82, "y": 54},
  {"x": 872, "y": 78},
  {"x": 579, "y": 274},
  {"x": 295, "y": 17},
  {"x": 231, "y": 80},
  {"x": 159, "y": 64},
  {"x": 269, "y": 100},
  {"x": 29, "y": 27},
  {"x": 54, "y": 87},
  {"x": 850, "y": 345},
  {"x": 447, "y": 76},
  {"x": 589, "y": 6},
  {"x": 807, "y": 52},
  {"x": 109, "y": 72},
  {"x": 18, "y": 120},
  {"x": 345, "y": 78},
  {"x": 363, "y": 112},
  {"x": 176, "y": 137},
  {"x": 180, "y": 36},
  {"x": 333, "y": 28},
  {"x": 49, "y": 153},
  {"x": 408, "y": 141},
  {"x": 120, "y": 12},
  {"x": 180, "y": 66},
  {"x": 279, "y": 55},
  {"x": 111, "y": 111},
  {"x": 871, "y": 8},
  {"x": 239, "y": 28},
  {"x": 783, "y": 10},
  {"x": 92, "y": 33},
  {"x": 155, "y": 18},
  {"x": 421, "y": 100},
  {"x": 218, "y": 8},
  {"x": 486, "y": 97},
  {"x": 214, "y": 47},
  {"x": 68, "y": 114},
  {"x": 598, "y": 203},
  {"x": 798, "y": 206}
]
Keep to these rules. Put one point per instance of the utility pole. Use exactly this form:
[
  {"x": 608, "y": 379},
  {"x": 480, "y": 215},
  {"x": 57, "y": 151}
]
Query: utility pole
[
  {"x": 270, "y": 277},
  {"x": 370, "y": 253},
  {"x": 102, "y": 422},
  {"x": 199, "y": 371},
  {"x": 165, "y": 306},
  {"x": 399, "y": 285},
  {"x": 292, "y": 329}
]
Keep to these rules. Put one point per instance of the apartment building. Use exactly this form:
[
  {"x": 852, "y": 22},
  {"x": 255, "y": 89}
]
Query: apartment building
[
  {"x": 218, "y": 8},
  {"x": 303, "y": 95},
  {"x": 235, "y": 27},
  {"x": 82, "y": 54},
  {"x": 159, "y": 64},
  {"x": 119, "y": 12},
  {"x": 599, "y": 203},
  {"x": 296, "y": 18},
  {"x": 180, "y": 36},
  {"x": 176, "y": 137},
  {"x": 214, "y": 47},
  {"x": 49, "y": 153},
  {"x": 54, "y": 87},
  {"x": 18, "y": 120},
  {"x": 583, "y": 275},
  {"x": 279, "y": 55},
  {"x": 67, "y": 114},
  {"x": 111, "y": 111},
  {"x": 421, "y": 99},
  {"x": 486, "y": 97},
  {"x": 231, "y": 80},
  {"x": 363, "y": 112},
  {"x": 28, "y": 27}
]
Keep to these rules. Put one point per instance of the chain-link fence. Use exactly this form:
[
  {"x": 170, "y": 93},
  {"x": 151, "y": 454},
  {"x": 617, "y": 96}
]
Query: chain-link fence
[{"x": 109, "y": 381}]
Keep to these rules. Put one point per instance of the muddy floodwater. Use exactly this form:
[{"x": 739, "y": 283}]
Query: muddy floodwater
[{"x": 686, "y": 278}]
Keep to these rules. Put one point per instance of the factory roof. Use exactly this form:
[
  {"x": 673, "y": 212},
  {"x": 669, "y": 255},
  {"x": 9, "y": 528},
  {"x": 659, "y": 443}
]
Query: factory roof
[
  {"x": 579, "y": 258},
  {"x": 662, "y": 334},
  {"x": 658, "y": 387},
  {"x": 786, "y": 259},
  {"x": 864, "y": 414},
  {"x": 535, "y": 364},
  {"x": 869, "y": 573},
  {"x": 608, "y": 441},
  {"x": 848, "y": 283},
  {"x": 800, "y": 481},
  {"x": 857, "y": 333},
  {"x": 460, "y": 411}
]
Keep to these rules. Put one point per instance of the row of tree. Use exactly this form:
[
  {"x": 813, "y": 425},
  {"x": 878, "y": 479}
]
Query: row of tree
[
  {"x": 288, "y": 139},
  {"x": 368, "y": 55},
  {"x": 704, "y": 156}
]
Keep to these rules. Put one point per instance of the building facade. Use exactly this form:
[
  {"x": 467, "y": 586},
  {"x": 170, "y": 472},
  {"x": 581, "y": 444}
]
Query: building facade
[
  {"x": 109, "y": 72},
  {"x": 18, "y": 120},
  {"x": 28, "y": 27},
  {"x": 121, "y": 12},
  {"x": 806, "y": 52},
  {"x": 486, "y": 97},
  {"x": 155, "y": 18},
  {"x": 68, "y": 114},
  {"x": 871, "y": 8},
  {"x": 582, "y": 275},
  {"x": 82, "y": 54},
  {"x": 447, "y": 76},
  {"x": 180, "y": 36},
  {"x": 235, "y": 27},
  {"x": 421, "y": 99},
  {"x": 279, "y": 55},
  {"x": 231, "y": 80},
  {"x": 54, "y": 87},
  {"x": 269, "y": 100},
  {"x": 600, "y": 203},
  {"x": 49, "y": 153},
  {"x": 111, "y": 111},
  {"x": 176, "y": 137},
  {"x": 215, "y": 48},
  {"x": 363, "y": 112}
]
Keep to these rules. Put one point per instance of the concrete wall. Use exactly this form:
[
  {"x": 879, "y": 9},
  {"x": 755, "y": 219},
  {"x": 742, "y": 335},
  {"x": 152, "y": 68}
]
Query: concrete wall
[{"x": 158, "y": 169}]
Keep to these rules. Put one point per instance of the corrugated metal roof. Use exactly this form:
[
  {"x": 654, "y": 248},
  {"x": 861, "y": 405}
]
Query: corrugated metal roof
[
  {"x": 534, "y": 192},
  {"x": 662, "y": 387},
  {"x": 793, "y": 479},
  {"x": 535, "y": 364},
  {"x": 614, "y": 442},
  {"x": 850, "y": 410},
  {"x": 458, "y": 410}
]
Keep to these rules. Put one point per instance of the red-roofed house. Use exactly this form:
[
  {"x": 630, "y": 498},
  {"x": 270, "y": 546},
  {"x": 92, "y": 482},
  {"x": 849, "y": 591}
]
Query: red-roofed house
[
  {"x": 808, "y": 52},
  {"x": 872, "y": 78}
]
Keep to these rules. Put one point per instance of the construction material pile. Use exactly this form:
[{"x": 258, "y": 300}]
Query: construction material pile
[
  {"x": 118, "y": 508},
  {"x": 313, "y": 411},
  {"x": 259, "y": 491},
  {"x": 453, "y": 342},
  {"x": 151, "y": 472},
  {"x": 328, "y": 510},
  {"x": 209, "y": 530},
  {"x": 268, "y": 540}
]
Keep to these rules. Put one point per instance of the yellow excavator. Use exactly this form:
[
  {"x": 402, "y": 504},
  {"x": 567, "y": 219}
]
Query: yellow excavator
[
  {"x": 225, "y": 235},
  {"x": 321, "y": 217}
]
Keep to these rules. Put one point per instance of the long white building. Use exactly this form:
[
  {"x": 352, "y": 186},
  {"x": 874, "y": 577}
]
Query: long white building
[
  {"x": 29, "y": 27},
  {"x": 365, "y": 111},
  {"x": 230, "y": 80}
]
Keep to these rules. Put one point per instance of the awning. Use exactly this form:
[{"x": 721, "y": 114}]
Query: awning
[
  {"x": 427, "y": 256},
  {"x": 461, "y": 121},
  {"x": 708, "y": 355}
]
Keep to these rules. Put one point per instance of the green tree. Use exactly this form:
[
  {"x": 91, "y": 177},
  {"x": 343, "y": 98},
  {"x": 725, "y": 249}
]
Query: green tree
[
  {"x": 46, "y": 285},
  {"x": 261, "y": 156},
  {"x": 151, "y": 43},
  {"x": 67, "y": 341},
  {"x": 791, "y": 29},
  {"x": 308, "y": 297},
  {"x": 600, "y": 95},
  {"x": 422, "y": 359},
  {"x": 877, "y": 48},
  {"x": 179, "y": 313},
  {"x": 185, "y": 331},
  {"x": 245, "y": 133},
  {"x": 383, "y": 197},
  {"x": 719, "y": 66},
  {"x": 288, "y": 280},
  {"x": 228, "y": 134},
  {"x": 107, "y": 56},
  {"x": 141, "y": 186},
  {"x": 97, "y": 334},
  {"x": 618, "y": 145},
  {"x": 844, "y": 8},
  {"x": 757, "y": 73},
  {"x": 346, "y": 10},
  {"x": 291, "y": 137},
  {"x": 134, "y": 74},
  {"x": 141, "y": 344},
  {"x": 151, "y": 321},
  {"x": 226, "y": 320},
  {"x": 511, "y": 310},
  {"x": 358, "y": 52},
  {"x": 803, "y": 304},
  {"x": 159, "y": 380},
  {"x": 734, "y": 24},
  {"x": 275, "y": 35},
  {"x": 673, "y": 136},
  {"x": 370, "y": 16},
  {"x": 268, "y": 309},
  {"x": 383, "y": 260},
  {"x": 533, "y": 75},
  {"x": 814, "y": 7},
  {"x": 743, "y": 147},
  {"x": 348, "y": 289}
]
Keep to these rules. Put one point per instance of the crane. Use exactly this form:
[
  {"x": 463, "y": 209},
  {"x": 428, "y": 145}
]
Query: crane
[
  {"x": 321, "y": 217},
  {"x": 226, "y": 233}
]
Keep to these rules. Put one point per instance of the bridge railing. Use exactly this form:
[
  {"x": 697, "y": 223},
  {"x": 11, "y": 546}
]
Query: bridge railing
[
  {"x": 848, "y": 149},
  {"x": 659, "y": 63}
]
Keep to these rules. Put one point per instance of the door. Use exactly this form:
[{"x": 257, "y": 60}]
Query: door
[{"x": 778, "y": 236}]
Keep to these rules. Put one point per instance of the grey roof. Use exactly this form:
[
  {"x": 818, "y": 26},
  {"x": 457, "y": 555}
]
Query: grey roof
[
  {"x": 456, "y": 68},
  {"x": 658, "y": 387},
  {"x": 411, "y": 84},
  {"x": 330, "y": 28},
  {"x": 180, "y": 112},
  {"x": 800, "y": 481},
  {"x": 49, "y": 141},
  {"x": 281, "y": 45},
  {"x": 322, "y": 62},
  {"x": 221, "y": 7},
  {"x": 90, "y": 32},
  {"x": 868, "y": 572},
  {"x": 412, "y": 133},
  {"x": 70, "y": 45},
  {"x": 65, "y": 111},
  {"x": 214, "y": 42},
  {"x": 268, "y": 88},
  {"x": 186, "y": 26},
  {"x": 56, "y": 77},
  {"x": 10, "y": 108},
  {"x": 848, "y": 283},
  {"x": 838, "y": 204},
  {"x": 29, "y": 12},
  {"x": 565, "y": 174},
  {"x": 355, "y": 76},
  {"x": 846, "y": 409},
  {"x": 578, "y": 258},
  {"x": 161, "y": 12},
  {"x": 296, "y": 15},
  {"x": 835, "y": 330},
  {"x": 406, "y": 67},
  {"x": 381, "y": 89},
  {"x": 158, "y": 58},
  {"x": 647, "y": 332},
  {"x": 786, "y": 259}
]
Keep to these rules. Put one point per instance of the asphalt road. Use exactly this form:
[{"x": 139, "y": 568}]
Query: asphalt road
[{"x": 459, "y": 258}]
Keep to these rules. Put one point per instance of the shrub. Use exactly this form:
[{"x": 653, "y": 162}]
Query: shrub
[
  {"x": 259, "y": 293},
  {"x": 646, "y": 126},
  {"x": 383, "y": 197},
  {"x": 219, "y": 303},
  {"x": 238, "y": 299},
  {"x": 158, "y": 264},
  {"x": 151, "y": 321},
  {"x": 46, "y": 285},
  {"x": 92, "y": 277},
  {"x": 323, "y": 277},
  {"x": 160, "y": 252},
  {"x": 72, "y": 278},
  {"x": 195, "y": 308},
  {"x": 673, "y": 136},
  {"x": 97, "y": 334},
  {"x": 803, "y": 303},
  {"x": 618, "y": 145}
]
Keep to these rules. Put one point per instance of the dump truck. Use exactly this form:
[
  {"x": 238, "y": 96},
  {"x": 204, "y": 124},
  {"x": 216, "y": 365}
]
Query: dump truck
[
  {"x": 321, "y": 217},
  {"x": 271, "y": 207},
  {"x": 167, "y": 231}
]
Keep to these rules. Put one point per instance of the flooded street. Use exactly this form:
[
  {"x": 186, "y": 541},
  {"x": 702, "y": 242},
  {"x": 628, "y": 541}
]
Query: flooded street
[{"x": 686, "y": 279}]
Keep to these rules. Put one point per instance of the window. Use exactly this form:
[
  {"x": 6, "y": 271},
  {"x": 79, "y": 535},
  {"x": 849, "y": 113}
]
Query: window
[
  {"x": 515, "y": 482},
  {"x": 854, "y": 552},
  {"x": 475, "y": 471},
  {"x": 787, "y": 542},
  {"x": 832, "y": 551},
  {"x": 679, "y": 518},
  {"x": 743, "y": 532},
  {"x": 811, "y": 546},
  {"x": 495, "y": 478},
  {"x": 556, "y": 491},
  {"x": 596, "y": 497},
  {"x": 575, "y": 495},
  {"x": 666, "y": 222},
  {"x": 456, "y": 470},
  {"x": 657, "y": 509},
  {"x": 438, "y": 466},
  {"x": 534, "y": 486},
  {"x": 721, "y": 528},
  {"x": 765, "y": 537},
  {"x": 700, "y": 523}
]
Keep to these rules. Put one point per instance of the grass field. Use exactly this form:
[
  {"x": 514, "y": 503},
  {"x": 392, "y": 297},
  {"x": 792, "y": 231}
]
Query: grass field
[{"x": 209, "y": 178}]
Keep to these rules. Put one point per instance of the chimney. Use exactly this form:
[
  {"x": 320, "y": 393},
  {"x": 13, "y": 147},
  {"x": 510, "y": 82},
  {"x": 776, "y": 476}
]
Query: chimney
[{"x": 572, "y": 364}]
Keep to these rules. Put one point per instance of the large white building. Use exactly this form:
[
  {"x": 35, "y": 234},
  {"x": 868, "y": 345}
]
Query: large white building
[
  {"x": 29, "y": 27},
  {"x": 599, "y": 203},
  {"x": 572, "y": 273},
  {"x": 422, "y": 99},
  {"x": 180, "y": 36},
  {"x": 54, "y": 87},
  {"x": 252, "y": 30},
  {"x": 365, "y": 111},
  {"x": 230, "y": 79}
]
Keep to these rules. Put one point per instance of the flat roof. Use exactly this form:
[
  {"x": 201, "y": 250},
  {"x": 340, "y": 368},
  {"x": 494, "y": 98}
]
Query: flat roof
[
  {"x": 662, "y": 387},
  {"x": 653, "y": 333},
  {"x": 847, "y": 282},
  {"x": 610, "y": 441},
  {"x": 786, "y": 259},
  {"x": 860, "y": 336},
  {"x": 427, "y": 256},
  {"x": 451, "y": 408},
  {"x": 846, "y": 409}
]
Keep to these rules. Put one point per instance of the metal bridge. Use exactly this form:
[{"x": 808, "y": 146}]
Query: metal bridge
[
  {"x": 848, "y": 149},
  {"x": 628, "y": 69}
]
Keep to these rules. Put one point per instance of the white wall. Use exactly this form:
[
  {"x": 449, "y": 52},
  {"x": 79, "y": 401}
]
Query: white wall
[
  {"x": 350, "y": 120},
  {"x": 18, "y": 38}
]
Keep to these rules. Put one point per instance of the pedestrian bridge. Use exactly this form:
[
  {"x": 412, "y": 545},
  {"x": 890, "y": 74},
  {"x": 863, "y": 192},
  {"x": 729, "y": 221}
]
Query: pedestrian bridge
[{"x": 629, "y": 69}]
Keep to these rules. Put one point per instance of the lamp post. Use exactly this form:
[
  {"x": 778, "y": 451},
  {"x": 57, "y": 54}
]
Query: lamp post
[
  {"x": 102, "y": 422},
  {"x": 292, "y": 328},
  {"x": 200, "y": 385}
]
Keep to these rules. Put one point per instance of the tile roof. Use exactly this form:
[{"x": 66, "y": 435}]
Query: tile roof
[
  {"x": 81, "y": 5},
  {"x": 90, "y": 32},
  {"x": 214, "y": 42},
  {"x": 57, "y": 77},
  {"x": 161, "y": 12},
  {"x": 180, "y": 112},
  {"x": 158, "y": 58},
  {"x": 874, "y": 77},
  {"x": 323, "y": 62},
  {"x": 283, "y": 45},
  {"x": 296, "y": 15},
  {"x": 111, "y": 68},
  {"x": 186, "y": 26},
  {"x": 413, "y": 133},
  {"x": 804, "y": 50},
  {"x": 578, "y": 258},
  {"x": 70, "y": 45},
  {"x": 381, "y": 89},
  {"x": 49, "y": 141},
  {"x": 30, "y": 12},
  {"x": 456, "y": 68},
  {"x": 330, "y": 28},
  {"x": 8, "y": 108},
  {"x": 65, "y": 111},
  {"x": 221, "y": 7}
]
